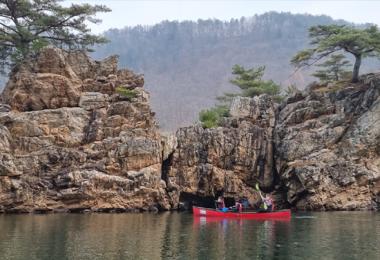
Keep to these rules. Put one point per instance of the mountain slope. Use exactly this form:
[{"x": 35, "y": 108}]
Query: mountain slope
[{"x": 187, "y": 64}]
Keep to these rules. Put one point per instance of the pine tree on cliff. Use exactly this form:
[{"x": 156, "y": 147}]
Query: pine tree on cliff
[
  {"x": 329, "y": 39},
  {"x": 251, "y": 82},
  {"x": 333, "y": 69},
  {"x": 26, "y": 26}
]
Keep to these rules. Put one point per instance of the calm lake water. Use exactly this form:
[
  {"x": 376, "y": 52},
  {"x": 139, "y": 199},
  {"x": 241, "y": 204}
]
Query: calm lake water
[{"x": 338, "y": 235}]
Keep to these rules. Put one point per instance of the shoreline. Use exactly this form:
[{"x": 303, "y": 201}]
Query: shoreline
[{"x": 140, "y": 211}]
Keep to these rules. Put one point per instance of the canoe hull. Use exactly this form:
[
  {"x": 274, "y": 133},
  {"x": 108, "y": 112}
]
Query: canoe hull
[{"x": 198, "y": 211}]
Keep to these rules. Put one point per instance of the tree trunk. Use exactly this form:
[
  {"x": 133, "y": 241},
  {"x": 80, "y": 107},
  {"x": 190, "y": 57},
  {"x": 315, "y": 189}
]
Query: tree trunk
[{"x": 355, "y": 73}]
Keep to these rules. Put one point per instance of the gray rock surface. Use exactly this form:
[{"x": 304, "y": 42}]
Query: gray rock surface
[
  {"x": 4, "y": 108},
  {"x": 328, "y": 147},
  {"x": 93, "y": 100}
]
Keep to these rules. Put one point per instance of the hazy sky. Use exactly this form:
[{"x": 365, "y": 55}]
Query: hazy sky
[{"x": 134, "y": 12}]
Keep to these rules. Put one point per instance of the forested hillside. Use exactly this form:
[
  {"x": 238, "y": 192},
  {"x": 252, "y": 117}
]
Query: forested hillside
[{"x": 187, "y": 64}]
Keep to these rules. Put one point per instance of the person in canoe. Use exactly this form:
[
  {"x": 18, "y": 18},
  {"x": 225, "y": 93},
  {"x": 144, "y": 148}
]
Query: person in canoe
[
  {"x": 238, "y": 206},
  {"x": 220, "y": 202},
  {"x": 244, "y": 201},
  {"x": 268, "y": 203},
  {"x": 221, "y": 205}
]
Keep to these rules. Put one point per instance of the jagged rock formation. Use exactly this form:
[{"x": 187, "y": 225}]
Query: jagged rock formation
[
  {"x": 324, "y": 144},
  {"x": 227, "y": 160},
  {"x": 70, "y": 142},
  {"x": 328, "y": 147}
]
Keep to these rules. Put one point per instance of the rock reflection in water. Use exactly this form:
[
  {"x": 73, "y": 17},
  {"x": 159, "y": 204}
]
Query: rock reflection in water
[{"x": 341, "y": 235}]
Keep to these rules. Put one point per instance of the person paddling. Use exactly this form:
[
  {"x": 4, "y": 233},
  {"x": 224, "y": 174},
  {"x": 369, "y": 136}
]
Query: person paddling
[
  {"x": 268, "y": 201},
  {"x": 268, "y": 204},
  {"x": 220, "y": 203}
]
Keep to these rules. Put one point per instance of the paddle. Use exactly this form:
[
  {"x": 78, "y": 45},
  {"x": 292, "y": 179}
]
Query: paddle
[{"x": 262, "y": 198}]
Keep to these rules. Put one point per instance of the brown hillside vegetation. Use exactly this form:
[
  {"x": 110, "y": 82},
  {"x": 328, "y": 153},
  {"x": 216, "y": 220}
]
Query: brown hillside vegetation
[{"x": 187, "y": 64}]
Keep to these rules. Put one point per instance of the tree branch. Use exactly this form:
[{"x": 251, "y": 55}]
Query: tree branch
[
  {"x": 315, "y": 61},
  {"x": 369, "y": 50},
  {"x": 57, "y": 25},
  {"x": 8, "y": 27}
]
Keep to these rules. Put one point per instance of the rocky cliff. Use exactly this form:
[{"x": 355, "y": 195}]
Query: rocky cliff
[
  {"x": 227, "y": 160},
  {"x": 319, "y": 150},
  {"x": 78, "y": 135},
  {"x": 69, "y": 141},
  {"x": 328, "y": 146}
]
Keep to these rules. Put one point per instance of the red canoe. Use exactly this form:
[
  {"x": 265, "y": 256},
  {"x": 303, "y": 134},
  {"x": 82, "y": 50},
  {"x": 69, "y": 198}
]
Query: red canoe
[{"x": 198, "y": 211}]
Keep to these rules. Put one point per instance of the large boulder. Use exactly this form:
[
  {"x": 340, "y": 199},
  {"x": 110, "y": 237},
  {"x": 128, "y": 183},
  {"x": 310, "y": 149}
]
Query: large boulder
[{"x": 93, "y": 100}]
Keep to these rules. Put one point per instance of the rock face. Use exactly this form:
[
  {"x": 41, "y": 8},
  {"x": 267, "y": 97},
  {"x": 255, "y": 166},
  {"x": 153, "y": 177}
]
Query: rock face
[
  {"x": 57, "y": 79},
  {"x": 68, "y": 141},
  {"x": 328, "y": 147},
  {"x": 320, "y": 150},
  {"x": 227, "y": 160}
]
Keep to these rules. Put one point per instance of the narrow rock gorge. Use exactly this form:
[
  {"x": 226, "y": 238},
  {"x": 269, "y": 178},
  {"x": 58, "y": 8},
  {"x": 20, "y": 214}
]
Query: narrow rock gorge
[
  {"x": 227, "y": 160},
  {"x": 79, "y": 135}
]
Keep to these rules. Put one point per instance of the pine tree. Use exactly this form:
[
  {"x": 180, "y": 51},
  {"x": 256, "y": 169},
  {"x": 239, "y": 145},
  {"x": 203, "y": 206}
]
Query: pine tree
[
  {"x": 26, "y": 26},
  {"x": 251, "y": 82},
  {"x": 333, "y": 69},
  {"x": 329, "y": 39}
]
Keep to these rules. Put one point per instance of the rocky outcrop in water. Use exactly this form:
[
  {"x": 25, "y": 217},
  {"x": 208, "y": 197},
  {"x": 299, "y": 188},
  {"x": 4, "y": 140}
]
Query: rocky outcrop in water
[
  {"x": 227, "y": 160},
  {"x": 317, "y": 151},
  {"x": 69, "y": 141}
]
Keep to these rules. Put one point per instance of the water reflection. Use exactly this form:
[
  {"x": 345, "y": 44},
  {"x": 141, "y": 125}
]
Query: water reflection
[
  {"x": 341, "y": 235},
  {"x": 242, "y": 239}
]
